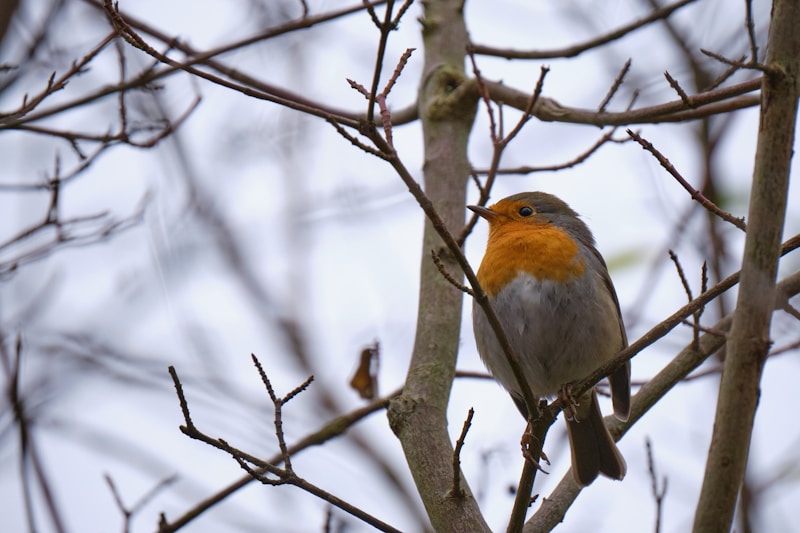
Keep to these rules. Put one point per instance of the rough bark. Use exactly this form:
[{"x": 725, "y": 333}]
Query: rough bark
[
  {"x": 748, "y": 342},
  {"x": 419, "y": 415}
]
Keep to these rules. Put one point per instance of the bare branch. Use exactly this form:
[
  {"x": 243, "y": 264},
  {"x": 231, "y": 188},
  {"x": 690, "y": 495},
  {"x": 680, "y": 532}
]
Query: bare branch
[
  {"x": 385, "y": 28},
  {"x": 380, "y": 98},
  {"x": 127, "y": 513},
  {"x": 751, "y": 31},
  {"x": 751, "y": 65},
  {"x": 457, "y": 491},
  {"x": 55, "y": 84},
  {"x": 577, "y": 160},
  {"x": 700, "y": 105},
  {"x": 526, "y": 113},
  {"x": 665, "y": 326},
  {"x": 72, "y": 232},
  {"x": 577, "y": 49},
  {"x": 494, "y": 133},
  {"x": 698, "y": 328},
  {"x": 657, "y": 493},
  {"x": 260, "y": 467},
  {"x": 355, "y": 142},
  {"x": 615, "y": 86},
  {"x": 304, "y": 6},
  {"x": 681, "y": 275},
  {"x": 461, "y": 260},
  {"x": 678, "y": 89},
  {"x": 722, "y": 78},
  {"x": 555, "y": 506},
  {"x": 187, "y": 418},
  {"x": 499, "y": 140},
  {"x": 330, "y": 430},
  {"x": 449, "y": 277},
  {"x": 694, "y": 193}
]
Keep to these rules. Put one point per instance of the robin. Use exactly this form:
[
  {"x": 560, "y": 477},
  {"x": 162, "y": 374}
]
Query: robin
[{"x": 553, "y": 296}]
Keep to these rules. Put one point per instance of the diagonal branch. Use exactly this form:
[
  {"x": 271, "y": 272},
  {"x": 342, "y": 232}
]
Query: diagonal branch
[
  {"x": 556, "y": 505},
  {"x": 694, "y": 193},
  {"x": 259, "y": 468},
  {"x": 577, "y": 49}
]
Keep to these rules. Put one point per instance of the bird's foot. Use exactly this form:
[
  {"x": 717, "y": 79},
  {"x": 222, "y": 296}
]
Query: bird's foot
[
  {"x": 570, "y": 406},
  {"x": 527, "y": 443}
]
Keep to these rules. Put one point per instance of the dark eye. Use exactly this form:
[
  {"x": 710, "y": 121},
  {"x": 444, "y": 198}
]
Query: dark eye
[{"x": 525, "y": 211}]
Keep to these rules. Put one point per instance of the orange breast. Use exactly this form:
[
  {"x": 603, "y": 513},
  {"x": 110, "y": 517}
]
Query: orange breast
[{"x": 543, "y": 251}]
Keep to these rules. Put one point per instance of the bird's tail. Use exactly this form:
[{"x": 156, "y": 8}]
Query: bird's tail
[{"x": 593, "y": 450}]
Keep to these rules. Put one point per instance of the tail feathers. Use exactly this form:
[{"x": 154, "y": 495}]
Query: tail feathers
[
  {"x": 593, "y": 450},
  {"x": 620, "y": 382}
]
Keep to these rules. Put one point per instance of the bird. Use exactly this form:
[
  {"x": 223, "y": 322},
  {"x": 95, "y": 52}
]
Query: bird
[{"x": 552, "y": 294}]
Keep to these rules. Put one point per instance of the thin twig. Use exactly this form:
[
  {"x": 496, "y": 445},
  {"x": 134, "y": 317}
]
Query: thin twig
[
  {"x": 730, "y": 71},
  {"x": 615, "y": 86},
  {"x": 784, "y": 349},
  {"x": 483, "y": 91},
  {"x": 327, "y": 526},
  {"x": 575, "y": 161},
  {"x": 260, "y": 467},
  {"x": 526, "y": 113},
  {"x": 658, "y": 493},
  {"x": 278, "y": 404},
  {"x": 580, "y": 158},
  {"x": 380, "y": 98},
  {"x": 304, "y": 6},
  {"x": 696, "y": 315},
  {"x": 449, "y": 277},
  {"x": 457, "y": 491},
  {"x": 385, "y": 28},
  {"x": 499, "y": 141},
  {"x": 187, "y": 417},
  {"x": 401, "y": 64},
  {"x": 372, "y": 14},
  {"x": 751, "y": 65},
  {"x": 127, "y": 513},
  {"x": 354, "y": 141},
  {"x": 480, "y": 296},
  {"x": 694, "y": 193},
  {"x": 699, "y": 313},
  {"x": 678, "y": 89},
  {"x": 574, "y": 50},
  {"x": 681, "y": 275},
  {"x": 330, "y": 430},
  {"x": 118, "y": 500},
  {"x": 264, "y": 92},
  {"x": 386, "y": 116},
  {"x": 664, "y": 327},
  {"x": 697, "y": 328},
  {"x": 31, "y": 468},
  {"x": 751, "y": 31},
  {"x": 402, "y": 11},
  {"x": 69, "y": 233},
  {"x": 54, "y": 84}
]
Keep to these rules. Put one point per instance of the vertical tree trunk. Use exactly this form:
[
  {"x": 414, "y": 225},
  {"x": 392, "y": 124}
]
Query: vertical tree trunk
[
  {"x": 419, "y": 415},
  {"x": 748, "y": 342}
]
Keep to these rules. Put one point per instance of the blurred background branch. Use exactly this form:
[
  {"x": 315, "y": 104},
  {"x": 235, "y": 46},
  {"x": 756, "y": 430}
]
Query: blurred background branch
[{"x": 158, "y": 208}]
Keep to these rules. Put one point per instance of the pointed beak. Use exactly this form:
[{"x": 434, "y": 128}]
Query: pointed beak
[{"x": 483, "y": 212}]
